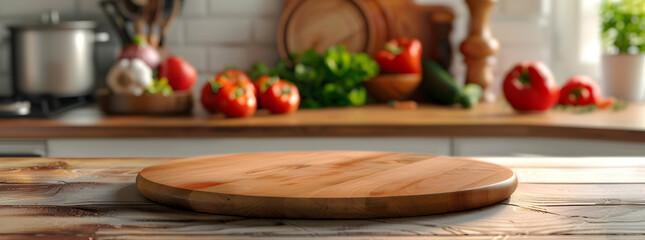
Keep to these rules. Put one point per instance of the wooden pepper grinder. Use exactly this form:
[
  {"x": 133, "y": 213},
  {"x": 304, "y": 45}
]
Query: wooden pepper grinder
[{"x": 480, "y": 46}]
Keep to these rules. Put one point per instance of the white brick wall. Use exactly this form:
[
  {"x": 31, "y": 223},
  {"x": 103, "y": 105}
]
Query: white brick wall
[
  {"x": 522, "y": 27},
  {"x": 5, "y": 87},
  {"x": 217, "y": 31},
  {"x": 246, "y": 7},
  {"x": 27, "y": 7},
  {"x": 196, "y": 8},
  {"x": 89, "y": 6},
  {"x": 213, "y": 34}
]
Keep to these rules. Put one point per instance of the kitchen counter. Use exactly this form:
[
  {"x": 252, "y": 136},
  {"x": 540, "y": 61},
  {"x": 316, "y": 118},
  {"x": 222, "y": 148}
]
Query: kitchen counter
[
  {"x": 368, "y": 121},
  {"x": 557, "y": 198}
]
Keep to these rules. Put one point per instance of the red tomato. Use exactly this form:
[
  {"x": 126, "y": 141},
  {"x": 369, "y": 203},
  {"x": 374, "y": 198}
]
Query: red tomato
[
  {"x": 234, "y": 76},
  {"x": 208, "y": 95},
  {"x": 236, "y": 100},
  {"x": 180, "y": 74},
  {"x": 262, "y": 84},
  {"x": 280, "y": 97}
]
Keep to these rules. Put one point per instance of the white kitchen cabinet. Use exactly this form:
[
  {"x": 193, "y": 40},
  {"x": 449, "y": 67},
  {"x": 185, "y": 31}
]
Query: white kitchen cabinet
[
  {"x": 23, "y": 148},
  {"x": 522, "y": 146},
  {"x": 460, "y": 146},
  {"x": 209, "y": 146}
]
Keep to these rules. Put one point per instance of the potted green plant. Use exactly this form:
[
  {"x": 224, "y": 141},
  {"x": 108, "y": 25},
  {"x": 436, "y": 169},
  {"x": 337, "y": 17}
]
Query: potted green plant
[{"x": 623, "y": 38}]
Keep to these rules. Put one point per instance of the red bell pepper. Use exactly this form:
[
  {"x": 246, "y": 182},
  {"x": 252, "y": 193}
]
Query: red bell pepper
[
  {"x": 530, "y": 87},
  {"x": 401, "y": 55},
  {"x": 580, "y": 91},
  {"x": 583, "y": 91}
]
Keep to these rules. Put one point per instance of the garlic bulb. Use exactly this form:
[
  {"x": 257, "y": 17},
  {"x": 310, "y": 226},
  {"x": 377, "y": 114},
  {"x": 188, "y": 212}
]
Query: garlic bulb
[{"x": 129, "y": 76}]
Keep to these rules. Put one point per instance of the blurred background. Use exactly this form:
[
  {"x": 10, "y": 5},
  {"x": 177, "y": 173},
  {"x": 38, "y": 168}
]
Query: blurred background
[
  {"x": 212, "y": 34},
  {"x": 176, "y": 81}
]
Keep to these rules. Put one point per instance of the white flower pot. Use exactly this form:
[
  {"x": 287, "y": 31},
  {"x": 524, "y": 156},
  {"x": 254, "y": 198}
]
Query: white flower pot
[{"x": 624, "y": 76}]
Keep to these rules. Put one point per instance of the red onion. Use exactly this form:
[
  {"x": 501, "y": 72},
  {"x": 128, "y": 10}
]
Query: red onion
[{"x": 141, "y": 50}]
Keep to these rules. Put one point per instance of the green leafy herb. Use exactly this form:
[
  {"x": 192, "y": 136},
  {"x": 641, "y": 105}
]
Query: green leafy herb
[
  {"x": 258, "y": 70},
  {"x": 357, "y": 96},
  {"x": 338, "y": 60},
  {"x": 160, "y": 87},
  {"x": 325, "y": 80},
  {"x": 619, "y": 105},
  {"x": 623, "y": 26}
]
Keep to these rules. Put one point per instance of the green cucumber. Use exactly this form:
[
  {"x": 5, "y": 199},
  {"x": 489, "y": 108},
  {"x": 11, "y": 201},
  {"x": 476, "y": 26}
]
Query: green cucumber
[
  {"x": 470, "y": 95},
  {"x": 441, "y": 88}
]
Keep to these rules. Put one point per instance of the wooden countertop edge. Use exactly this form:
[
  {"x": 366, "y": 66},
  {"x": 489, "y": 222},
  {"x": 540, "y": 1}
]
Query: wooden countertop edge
[{"x": 56, "y": 132}]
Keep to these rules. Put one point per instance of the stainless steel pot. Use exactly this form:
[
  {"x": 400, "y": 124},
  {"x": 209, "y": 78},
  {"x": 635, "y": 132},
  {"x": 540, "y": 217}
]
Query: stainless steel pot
[{"x": 54, "y": 58}]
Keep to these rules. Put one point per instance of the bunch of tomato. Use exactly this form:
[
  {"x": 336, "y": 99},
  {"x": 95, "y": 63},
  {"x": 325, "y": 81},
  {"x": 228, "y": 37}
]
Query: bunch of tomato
[{"x": 232, "y": 93}]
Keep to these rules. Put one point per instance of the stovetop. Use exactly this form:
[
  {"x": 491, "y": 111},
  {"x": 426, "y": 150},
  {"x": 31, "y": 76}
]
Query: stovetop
[{"x": 42, "y": 107}]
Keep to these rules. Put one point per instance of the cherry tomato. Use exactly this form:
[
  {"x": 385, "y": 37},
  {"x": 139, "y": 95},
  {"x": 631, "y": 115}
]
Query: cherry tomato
[
  {"x": 262, "y": 84},
  {"x": 236, "y": 100},
  {"x": 234, "y": 76},
  {"x": 280, "y": 97},
  {"x": 208, "y": 95}
]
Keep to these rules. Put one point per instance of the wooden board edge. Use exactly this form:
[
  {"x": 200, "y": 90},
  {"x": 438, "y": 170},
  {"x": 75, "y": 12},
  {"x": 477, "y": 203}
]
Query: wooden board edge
[{"x": 306, "y": 208}]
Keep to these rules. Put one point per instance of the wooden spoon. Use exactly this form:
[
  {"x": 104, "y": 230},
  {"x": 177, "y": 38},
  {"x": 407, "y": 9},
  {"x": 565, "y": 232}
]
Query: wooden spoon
[
  {"x": 167, "y": 22},
  {"x": 116, "y": 19},
  {"x": 132, "y": 12},
  {"x": 155, "y": 10}
]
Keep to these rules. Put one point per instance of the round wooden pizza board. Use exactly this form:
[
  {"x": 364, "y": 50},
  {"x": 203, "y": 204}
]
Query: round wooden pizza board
[{"x": 326, "y": 185}]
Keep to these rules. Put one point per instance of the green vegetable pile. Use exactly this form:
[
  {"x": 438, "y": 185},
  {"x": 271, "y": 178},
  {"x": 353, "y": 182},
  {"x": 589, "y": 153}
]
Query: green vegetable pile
[{"x": 327, "y": 80}]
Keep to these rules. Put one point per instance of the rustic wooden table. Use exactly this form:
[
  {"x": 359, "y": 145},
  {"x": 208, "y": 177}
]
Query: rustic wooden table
[{"x": 557, "y": 198}]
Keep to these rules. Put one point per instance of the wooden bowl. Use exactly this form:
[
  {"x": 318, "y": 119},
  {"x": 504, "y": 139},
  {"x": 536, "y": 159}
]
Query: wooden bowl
[
  {"x": 179, "y": 103},
  {"x": 388, "y": 87}
]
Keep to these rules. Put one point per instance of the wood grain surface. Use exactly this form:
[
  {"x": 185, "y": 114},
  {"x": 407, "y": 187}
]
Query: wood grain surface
[
  {"x": 376, "y": 120},
  {"x": 364, "y": 26},
  {"x": 326, "y": 185},
  {"x": 480, "y": 47},
  {"x": 557, "y": 198},
  {"x": 318, "y": 25},
  {"x": 179, "y": 103},
  {"x": 387, "y": 87}
]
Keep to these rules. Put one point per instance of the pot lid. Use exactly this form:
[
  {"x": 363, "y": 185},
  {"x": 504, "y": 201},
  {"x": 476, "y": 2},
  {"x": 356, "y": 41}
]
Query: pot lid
[{"x": 51, "y": 20}]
